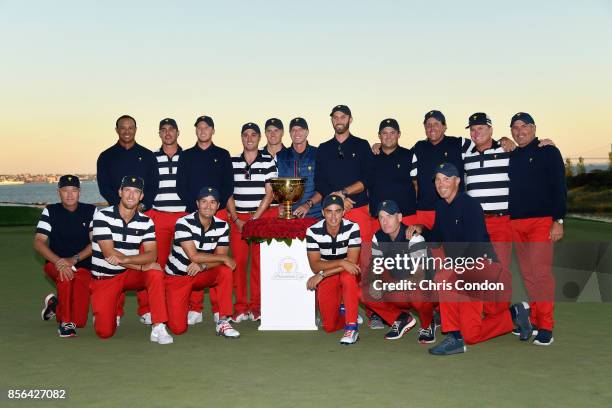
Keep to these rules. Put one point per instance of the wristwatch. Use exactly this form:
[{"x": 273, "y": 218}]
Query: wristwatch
[
  {"x": 76, "y": 258},
  {"x": 321, "y": 274},
  {"x": 344, "y": 192},
  {"x": 559, "y": 221},
  {"x": 309, "y": 203}
]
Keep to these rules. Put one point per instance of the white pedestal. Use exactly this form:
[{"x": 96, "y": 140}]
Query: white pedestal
[{"x": 286, "y": 304}]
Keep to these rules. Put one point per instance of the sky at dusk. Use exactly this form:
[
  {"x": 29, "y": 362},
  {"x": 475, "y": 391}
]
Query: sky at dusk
[{"x": 69, "y": 69}]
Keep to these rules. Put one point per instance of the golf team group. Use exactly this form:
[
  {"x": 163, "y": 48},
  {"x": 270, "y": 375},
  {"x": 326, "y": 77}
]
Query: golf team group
[{"x": 174, "y": 222}]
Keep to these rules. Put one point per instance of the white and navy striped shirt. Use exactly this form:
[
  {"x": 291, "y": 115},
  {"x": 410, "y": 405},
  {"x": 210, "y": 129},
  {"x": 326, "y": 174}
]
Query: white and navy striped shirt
[
  {"x": 250, "y": 180},
  {"x": 189, "y": 228},
  {"x": 486, "y": 177},
  {"x": 167, "y": 198},
  {"x": 126, "y": 237},
  {"x": 318, "y": 239}
]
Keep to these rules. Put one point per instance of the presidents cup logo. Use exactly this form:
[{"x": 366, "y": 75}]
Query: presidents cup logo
[{"x": 288, "y": 270}]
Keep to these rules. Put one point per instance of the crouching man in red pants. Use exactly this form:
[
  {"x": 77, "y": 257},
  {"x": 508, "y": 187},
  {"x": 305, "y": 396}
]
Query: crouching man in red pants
[
  {"x": 333, "y": 246},
  {"x": 199, "y": 260},
  {"x": 117, "y": 264},
  {"x": 62, "y": 238},
  {"x": 460, "y": 227}
]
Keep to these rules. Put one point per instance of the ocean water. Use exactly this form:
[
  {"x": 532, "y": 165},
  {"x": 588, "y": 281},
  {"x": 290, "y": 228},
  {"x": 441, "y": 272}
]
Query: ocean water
[{"x": 44, "y": 193}]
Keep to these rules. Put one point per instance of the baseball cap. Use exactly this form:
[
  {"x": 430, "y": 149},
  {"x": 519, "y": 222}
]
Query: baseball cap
[
  {"x": 206, "y": 119},
  {"x": 448, "y": 169},
  {"x": 208, "y": 191},
  {"x": 274, "y": 122},
  {"x": 388, "y": 206},
  {"x": 437, "y": 115},
  {"x": 69, "y": 181},
  {"x": 168, "y": 121},
  {"x": 252, "y": 126},
  {"x": 525, "y": 117},
  {"x": 390, "y": 122},
  {"x": 332, "y": 199},
  {"x": 133, "y": 181},
  {"x": 479, "y": 118},
  {"x": 341, "y": 108},
  {"x": 301, "y": 122}
]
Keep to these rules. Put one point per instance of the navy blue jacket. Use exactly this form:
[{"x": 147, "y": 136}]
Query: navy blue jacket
[
  {"x": 429, "y": 156},
  {"x": 116, "y": 162},
  {"x": 389, "y": 179},
  {"x": 339, "y": 165},
  {"x": 199, "y": 168},
  {"x": 461, "y": 225},
  {"x": 537, "y": 182}
]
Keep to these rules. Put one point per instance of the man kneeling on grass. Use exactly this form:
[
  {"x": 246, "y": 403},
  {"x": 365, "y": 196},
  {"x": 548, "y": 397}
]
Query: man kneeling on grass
[
  {"x": 393, "y": 307},
  {"x": 199, "y": 260},
  {"x": 459, "y": 226},
  {"x": 333, "y": 246},
  {"x": 118, "y": 265},
  {"x": 62, "y": 238}
]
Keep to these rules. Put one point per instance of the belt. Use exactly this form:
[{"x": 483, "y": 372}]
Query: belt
[
  {"x": 103, "y": 277},
  {"x": 496, "y": 214}
]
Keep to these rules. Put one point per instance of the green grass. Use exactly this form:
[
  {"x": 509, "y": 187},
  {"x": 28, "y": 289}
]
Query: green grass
[
  {"x": 264, "y": 369},
  {"x": 16, "y": 216}
]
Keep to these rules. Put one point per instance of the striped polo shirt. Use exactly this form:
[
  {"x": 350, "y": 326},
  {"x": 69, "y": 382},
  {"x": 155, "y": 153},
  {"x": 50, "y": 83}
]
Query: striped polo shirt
[
  {"x": 127, "y": 237},
  {"x": 250, "y": 180},
  {"x": 486, "y": 177},
  {"x": 189, "y": 228},
  {"x": 384, "y": 246},
  {"x": 332, "y": 248},
  {"x": 167, "y": 198}
]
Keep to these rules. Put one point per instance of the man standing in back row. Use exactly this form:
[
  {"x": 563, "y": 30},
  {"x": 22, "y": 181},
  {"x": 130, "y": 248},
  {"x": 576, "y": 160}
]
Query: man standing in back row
[
  {"x": 204, "y": 164},
  {"x": 537, "y": 206},
  {"x": 167, "y": 205},
  {"x": 251, "y": 200},
  {"x": 123, "y": 158},
  {"x": 342, "y": 168}
]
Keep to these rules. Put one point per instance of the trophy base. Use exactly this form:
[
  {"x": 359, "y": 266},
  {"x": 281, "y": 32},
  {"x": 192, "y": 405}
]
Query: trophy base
[{"x": 287, "y": 214}]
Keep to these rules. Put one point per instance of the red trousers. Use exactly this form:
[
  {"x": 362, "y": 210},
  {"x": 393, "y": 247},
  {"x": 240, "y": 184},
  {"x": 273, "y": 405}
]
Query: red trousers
[
  {"x": 501, "y": 237},
  {"x": 164, "y": 235},
  {"x": 468, "y": 316},
  {"x": 105, "y": 295},
  {"x": 196, "y": 300},
  {"x": 72, "y": 295},
  {"x": 179, "y": 289},
  {"x": 534, "y": 250},
  {"x": 361, "y": 216},
  {"x": 240, "y": 252},
  {"x": 426, "y": 218},
  {"x": 331, "y": 292}
]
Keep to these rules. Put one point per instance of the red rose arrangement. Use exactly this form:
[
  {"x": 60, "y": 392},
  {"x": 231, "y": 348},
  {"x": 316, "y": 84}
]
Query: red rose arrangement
[{"x": 268, "y": 229}]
